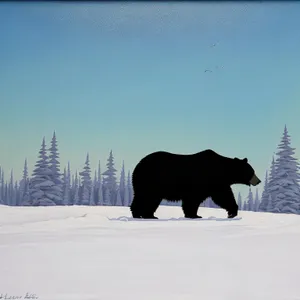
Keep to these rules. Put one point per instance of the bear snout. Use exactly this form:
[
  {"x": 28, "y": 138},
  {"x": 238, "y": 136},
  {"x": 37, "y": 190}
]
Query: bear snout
[{"x": 255, "y": 180}]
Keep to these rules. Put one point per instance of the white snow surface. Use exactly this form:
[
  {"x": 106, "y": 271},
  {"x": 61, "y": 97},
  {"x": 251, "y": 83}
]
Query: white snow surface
[{"x": 100, "y": 253}]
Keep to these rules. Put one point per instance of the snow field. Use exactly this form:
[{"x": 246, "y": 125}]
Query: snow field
[{"x": 87, "y": 253}]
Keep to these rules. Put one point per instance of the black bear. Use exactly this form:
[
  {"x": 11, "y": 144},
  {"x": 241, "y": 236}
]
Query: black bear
[{"x": 190, "y": 178}]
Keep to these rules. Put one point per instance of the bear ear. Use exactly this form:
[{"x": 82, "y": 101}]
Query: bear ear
[{"x": 245, "y": 159}]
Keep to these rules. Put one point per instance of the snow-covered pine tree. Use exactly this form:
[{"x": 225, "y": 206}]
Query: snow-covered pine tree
[
  {"x": 86, "y": 182},
  {"x": 286, "y": 183},
  {"x": 99, "y": 181},
  {"x": 240, "y": 204},
  {"x": 256, "y": 201},
  {"x": 66, "y": 189},
  {"x": 11, "y": 194},
  {"x": 2, "y": 187},
  {"x": 6, "y": 194},
  {"x": 76, "y": 199},
  {"x": 92, "y": 196},
  {"x": 126, "y": 196},
  {"x": 119, "y": 200},
  {"x": 41, "y": 185},
  {"x": 122, "y": 183},
  {"x": 245, "y": 206},
  {"x": 23, "y": 186},
  {"x": 265, "y": 195},
  {"x": 269, "y": 204},
  {"x": 130, "y": 189},
  {"x": 57, "y": 188},
  {"x": 110, "y": 180},
  {"x": 17, "y": 193},
  {"x": 250, "y": 202},
  {"x": 107, "y": 197}
]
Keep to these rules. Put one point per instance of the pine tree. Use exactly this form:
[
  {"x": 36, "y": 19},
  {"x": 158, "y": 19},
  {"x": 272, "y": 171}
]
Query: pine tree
[
  {"x": 41, "y": 185},
  {"x": 129, "y": 186},
  {"x": 119, "y": 200},
  {"x": 240, "y": 201},
  {"x": 57, "y": 188},
  {"x": 122, "y": 184},
  {"x": 286, "y": 184},
  {"x": 250, "y": 202},
  {"x": 2, "y": 187},
  {"x": 100, "y": 195},
  {"x": 11, "y": 194},
  {"x": 92, "y": 196},
  {"x": 76, "y": 200},
  {"x": 107, "y": 197},
  {"x": 24, "y": 189},
  {"x": 269, "y": 204},
  {"x": 17, "y": 193},
  {"x": 66, "y": 188},
  {"x": 256, "y": 201},
  {"x": 110, "y": 180},
  {"x": 86, "y": 182},
  {"x": 265, "y": 196},
  {"x": 99, "y": 182},
  {"x": 245, "y": 206}
]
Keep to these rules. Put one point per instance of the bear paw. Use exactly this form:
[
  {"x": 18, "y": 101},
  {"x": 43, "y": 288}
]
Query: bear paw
[{"x": 192, "y": 217}]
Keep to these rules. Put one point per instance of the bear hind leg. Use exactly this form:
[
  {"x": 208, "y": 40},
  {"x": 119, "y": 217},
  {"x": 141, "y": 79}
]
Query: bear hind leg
[
  {"x": 144, "y": 206},
  {"x": 190, "y": 208}
]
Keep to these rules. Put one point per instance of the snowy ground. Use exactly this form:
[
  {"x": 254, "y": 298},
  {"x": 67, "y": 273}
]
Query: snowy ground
[{"x": 60, "y": 253}]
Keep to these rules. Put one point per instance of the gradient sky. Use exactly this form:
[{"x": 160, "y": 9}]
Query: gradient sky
[{"x": 130, "y": 77}]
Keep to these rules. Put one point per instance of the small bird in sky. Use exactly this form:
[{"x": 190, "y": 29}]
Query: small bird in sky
[{"x": 207, "y": 71}]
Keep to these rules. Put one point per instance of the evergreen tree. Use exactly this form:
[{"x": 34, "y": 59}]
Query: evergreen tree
[
  {"x": 110, "y": 180},
  {"x": 23, "y": 186},
  {"x": 17, "y": 193},
  {"x": 41, "y": 185},
  {"x": 100, "y": 194},
  {"x": 2, "y": 187},
  {"x": 107, "y": 197},
  {"x": 256, "y": 201},
  {"x": 245, "y": 206},
  {"x": 240, "y": 201},
  {"x": 11, "y": 194},
  {"x": 122, "y": 184},
  {"x": 66, "y": 188},
  {"x": 76, "y": 200},
  {"x": 130, "y": 190},
  {"x": 265, "y": 196},
  {"x": 92, "y": 198},
  {"x": 250, "y": 202},
  {"x": 126, "y": 196},
  {"x": 269, "y": 206},
  {"x": 119, "y": 200},
  {"x": 86, "y": 182},
  {"x": 286, "y": 183},
  {"x": 57, "y": 188}
]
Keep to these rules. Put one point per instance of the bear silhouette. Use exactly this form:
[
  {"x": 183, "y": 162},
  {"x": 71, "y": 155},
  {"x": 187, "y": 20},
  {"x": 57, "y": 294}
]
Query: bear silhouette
[{"x": 191, "y": 178}]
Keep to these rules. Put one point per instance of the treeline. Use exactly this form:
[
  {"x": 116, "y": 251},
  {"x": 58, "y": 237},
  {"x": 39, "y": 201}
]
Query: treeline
[{"x": 48, "y": 186}]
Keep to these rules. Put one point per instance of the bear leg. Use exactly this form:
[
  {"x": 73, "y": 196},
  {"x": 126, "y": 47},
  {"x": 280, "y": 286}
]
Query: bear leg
[
  {"x": 224, "y": 197},
  {"x": 153, "y": 203},
  {"x": 144, "y": 206},
  {"x": 190, "y": 208},
  {"x": 136, "y": 207}
]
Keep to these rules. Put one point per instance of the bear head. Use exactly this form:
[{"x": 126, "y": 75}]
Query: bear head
[{"x": 244, "y": 173}]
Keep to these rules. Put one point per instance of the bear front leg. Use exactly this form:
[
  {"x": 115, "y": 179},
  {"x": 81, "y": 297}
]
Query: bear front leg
[
  {"x": 190, "y": 207},
  {"x": 224, "y": 197}
]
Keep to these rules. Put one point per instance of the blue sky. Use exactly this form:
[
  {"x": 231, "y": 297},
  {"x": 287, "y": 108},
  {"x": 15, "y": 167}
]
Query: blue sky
[{"x": 130, "y": 77}]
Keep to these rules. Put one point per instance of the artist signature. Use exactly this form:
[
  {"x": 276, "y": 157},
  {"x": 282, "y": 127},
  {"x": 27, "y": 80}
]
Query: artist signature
[{"x": 7, "y": 296}]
